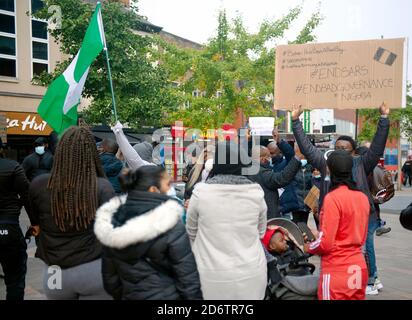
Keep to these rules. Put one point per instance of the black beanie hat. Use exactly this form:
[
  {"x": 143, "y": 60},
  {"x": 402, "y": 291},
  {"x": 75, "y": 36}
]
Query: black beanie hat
[
  {"x": 340, "y": 164},
  {"x": 228, "y": 159}
]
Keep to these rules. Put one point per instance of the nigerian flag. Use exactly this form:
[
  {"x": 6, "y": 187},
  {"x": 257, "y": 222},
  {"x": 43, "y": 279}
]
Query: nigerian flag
[{"x": 59, "y": 105}]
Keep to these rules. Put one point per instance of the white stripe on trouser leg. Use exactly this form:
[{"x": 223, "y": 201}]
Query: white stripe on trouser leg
[
  {"x": 328, "y": 286},
  {"x": 323, "y": 287}
]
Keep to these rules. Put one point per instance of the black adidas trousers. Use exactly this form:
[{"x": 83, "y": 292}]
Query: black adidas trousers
[{"x": 13, "y": 260}]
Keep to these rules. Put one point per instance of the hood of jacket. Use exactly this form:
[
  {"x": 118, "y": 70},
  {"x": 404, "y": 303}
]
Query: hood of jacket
[{"x": 138, "y": 229}]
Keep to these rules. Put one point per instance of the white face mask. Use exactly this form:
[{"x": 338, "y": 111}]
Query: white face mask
[
  {"x": 327, "y": 178},
  {"x": 39, "y": 150},
  {"x": 304, "y": 162},
  {"x": 209, "y": 164},
  {"x": 171, "y": 192}
]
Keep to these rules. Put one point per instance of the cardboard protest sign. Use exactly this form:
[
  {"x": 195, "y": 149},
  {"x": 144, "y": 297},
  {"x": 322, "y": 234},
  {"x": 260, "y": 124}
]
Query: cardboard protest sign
[
  {"x": 312, "y": 198},
  {"x": 261, "y": 126},
  {"x": 341, "y": 75}
]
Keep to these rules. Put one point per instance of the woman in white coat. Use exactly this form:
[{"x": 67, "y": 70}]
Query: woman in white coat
[{"x": 225, "y": 221}]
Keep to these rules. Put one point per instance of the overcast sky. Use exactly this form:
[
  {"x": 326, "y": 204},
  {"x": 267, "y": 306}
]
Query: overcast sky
[{"x": 196, "y": 20}]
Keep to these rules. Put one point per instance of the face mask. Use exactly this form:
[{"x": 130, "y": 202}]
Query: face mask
[
  {"x": 39, "y": 150},
  {"x": 327, "y": 178},
  {"x": 209, "y": 164},
  {"x": 304, "y": 162},
  {"x": 317, "y": 176},
  {"x": 171, "y": 192}
]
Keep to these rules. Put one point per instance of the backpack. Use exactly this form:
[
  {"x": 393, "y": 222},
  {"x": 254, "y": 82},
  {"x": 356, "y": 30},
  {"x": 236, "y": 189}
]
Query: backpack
[
  {"x": 382, "y": 186},
  {"x": 405, "y": 217}
]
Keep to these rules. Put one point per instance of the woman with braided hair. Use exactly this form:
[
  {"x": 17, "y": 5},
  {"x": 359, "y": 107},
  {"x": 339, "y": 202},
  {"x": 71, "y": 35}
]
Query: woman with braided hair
[{"x": 65, "y": 203}]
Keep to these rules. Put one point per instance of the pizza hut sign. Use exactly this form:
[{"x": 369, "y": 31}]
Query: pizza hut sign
[{"x": 21, "y": 123}]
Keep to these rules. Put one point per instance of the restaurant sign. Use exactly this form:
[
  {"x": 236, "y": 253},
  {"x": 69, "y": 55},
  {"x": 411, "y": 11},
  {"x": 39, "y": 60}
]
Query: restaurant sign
[{"x": 23, "y": 123}]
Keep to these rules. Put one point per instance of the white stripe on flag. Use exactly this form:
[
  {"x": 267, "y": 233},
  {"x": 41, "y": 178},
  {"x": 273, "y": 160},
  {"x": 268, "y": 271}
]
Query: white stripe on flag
[{"x": 101, "y": 27}]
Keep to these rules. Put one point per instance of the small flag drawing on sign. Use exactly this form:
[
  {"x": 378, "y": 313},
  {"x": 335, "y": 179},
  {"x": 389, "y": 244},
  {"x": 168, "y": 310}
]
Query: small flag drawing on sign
[{"x": 384, "y": 56}]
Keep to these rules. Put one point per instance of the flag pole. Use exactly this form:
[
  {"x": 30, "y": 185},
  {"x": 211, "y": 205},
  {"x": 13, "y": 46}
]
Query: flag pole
[{"x": 106, "y": 51}]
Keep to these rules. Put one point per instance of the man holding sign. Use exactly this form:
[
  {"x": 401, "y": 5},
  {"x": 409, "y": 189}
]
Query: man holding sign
[{"x": 362, "y": 167}]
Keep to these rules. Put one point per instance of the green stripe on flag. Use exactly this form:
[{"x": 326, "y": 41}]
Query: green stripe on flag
[
  {"x": 59, "y": 105},
  {"x": 91, "y": 47}
]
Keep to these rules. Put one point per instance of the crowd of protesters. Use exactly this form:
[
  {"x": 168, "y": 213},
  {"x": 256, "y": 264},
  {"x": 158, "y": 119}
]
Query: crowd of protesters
[{"x": 108, "y": 216}]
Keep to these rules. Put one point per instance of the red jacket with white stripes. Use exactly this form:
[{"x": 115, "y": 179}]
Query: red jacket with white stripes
[{"x": 343, "y": 229}]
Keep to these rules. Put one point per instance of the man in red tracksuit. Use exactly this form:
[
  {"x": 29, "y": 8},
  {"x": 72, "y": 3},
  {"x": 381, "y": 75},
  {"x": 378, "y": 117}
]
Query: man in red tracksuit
[{"x": 344, "y": 224}]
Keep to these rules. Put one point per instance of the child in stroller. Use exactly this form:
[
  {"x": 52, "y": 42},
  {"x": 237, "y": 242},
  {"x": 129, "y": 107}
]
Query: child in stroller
[{"x": 290, "y": 275}]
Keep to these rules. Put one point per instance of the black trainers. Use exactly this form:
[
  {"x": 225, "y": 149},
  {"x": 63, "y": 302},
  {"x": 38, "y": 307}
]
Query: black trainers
[{"x": 382, "y": 230}]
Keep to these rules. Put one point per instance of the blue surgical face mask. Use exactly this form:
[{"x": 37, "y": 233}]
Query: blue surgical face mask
[
  {"x": 304, "y": 162},
  {"x": 39, "y": 150}
]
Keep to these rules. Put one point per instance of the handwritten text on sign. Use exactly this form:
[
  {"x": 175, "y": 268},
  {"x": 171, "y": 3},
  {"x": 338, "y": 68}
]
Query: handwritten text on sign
[{"x": 353, "y": 74}]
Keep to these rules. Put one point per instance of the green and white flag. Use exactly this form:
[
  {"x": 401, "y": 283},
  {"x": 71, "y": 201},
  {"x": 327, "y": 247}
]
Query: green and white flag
[{"x": 59, "y": 105}]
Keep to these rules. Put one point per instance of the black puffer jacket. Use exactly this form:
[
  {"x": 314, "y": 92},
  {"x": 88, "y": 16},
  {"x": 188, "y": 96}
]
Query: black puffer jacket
[
  {"x": 149, "y": 257},
  {"x": 293, "y": 198},
  {"x": 65, "y": 249},
  {"x": 35, "y": 165}
]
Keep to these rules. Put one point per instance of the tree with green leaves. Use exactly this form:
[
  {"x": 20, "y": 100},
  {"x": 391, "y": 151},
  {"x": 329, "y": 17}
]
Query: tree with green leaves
[
  {"x": 402, "y": 116},
  {"x": 142, "y": 89},
  {"x": 235, "y": 69}
]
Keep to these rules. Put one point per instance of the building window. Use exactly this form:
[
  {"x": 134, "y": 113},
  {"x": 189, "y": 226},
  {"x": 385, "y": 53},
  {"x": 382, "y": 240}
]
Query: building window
[
  {"x": 7, "y": 5},
  {"x": 8, "y": 50},
  {"x": 39, "y": 41},
  {"x": 36, "y": 5}
]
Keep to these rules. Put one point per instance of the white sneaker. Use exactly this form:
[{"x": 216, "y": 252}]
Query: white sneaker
[
  {"x": 372, "y": 290},
  {"x": 378, "y": 284}
]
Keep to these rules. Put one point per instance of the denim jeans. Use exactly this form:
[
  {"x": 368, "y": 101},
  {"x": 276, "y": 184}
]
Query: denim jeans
[{"x": 370, "y": 249}]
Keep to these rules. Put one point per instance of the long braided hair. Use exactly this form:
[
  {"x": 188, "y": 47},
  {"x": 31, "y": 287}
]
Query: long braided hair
[{"x": 73, "y": 181}]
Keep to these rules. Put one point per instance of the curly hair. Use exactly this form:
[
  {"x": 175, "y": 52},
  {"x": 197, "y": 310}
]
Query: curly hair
[{"x": 73, "y": 181}]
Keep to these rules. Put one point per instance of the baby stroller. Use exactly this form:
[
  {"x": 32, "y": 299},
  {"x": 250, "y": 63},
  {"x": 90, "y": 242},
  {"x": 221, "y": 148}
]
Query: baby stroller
[{"x": 291, "y": 276}]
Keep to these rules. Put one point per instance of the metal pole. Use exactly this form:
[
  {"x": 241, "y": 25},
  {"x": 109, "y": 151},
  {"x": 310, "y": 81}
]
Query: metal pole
[
  {"x": 111, "y": 82},
  {"x": 106, "y": 51}
]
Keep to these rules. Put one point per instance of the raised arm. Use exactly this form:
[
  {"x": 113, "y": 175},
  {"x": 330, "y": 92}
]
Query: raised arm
[
  {"x": 283, "y": 146},
  {"x": 129, "y": 153},
  {"x": 377, "y": 148},
  {"x": 275, "y": 180},
  {"x": 312, "y": 154},
  {"x": 287, "y": 150}
]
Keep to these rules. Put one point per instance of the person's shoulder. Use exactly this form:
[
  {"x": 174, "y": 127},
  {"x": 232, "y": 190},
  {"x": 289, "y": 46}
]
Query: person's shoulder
[
  {"x": 103, "y": 182},
  {"x": 10, "y": 165}
]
